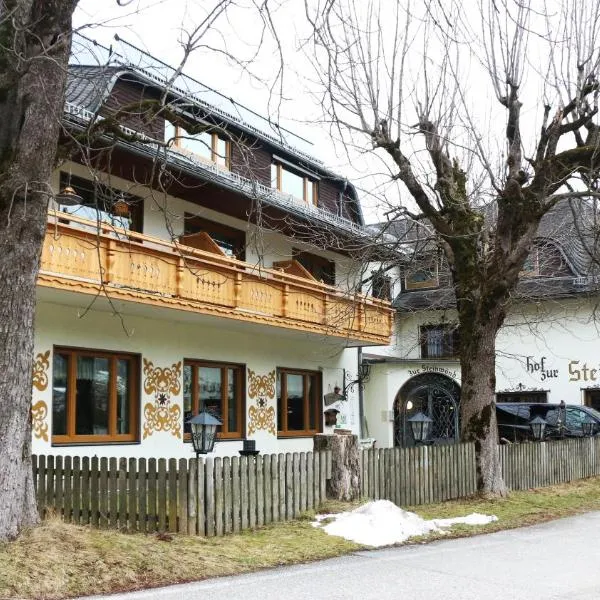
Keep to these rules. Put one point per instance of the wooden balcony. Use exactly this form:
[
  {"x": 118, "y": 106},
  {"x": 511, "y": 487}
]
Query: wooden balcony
[{"x": 91, "y": 258}]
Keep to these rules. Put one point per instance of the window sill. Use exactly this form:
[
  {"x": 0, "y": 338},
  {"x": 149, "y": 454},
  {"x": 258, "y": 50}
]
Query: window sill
[
  {"x": 295, "y": 435},
  {"x": 95, "y": 443}
]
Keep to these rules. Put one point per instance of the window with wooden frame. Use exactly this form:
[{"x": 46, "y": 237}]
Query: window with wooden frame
[
  {"x": 294, "y": 183},
  {"x": 522, "y": 396},
  {"x": 320, "y": 268},
  {"x": 101, "y": 201},
  {"x": 217, "y": 388},
  {"x": 298, "y": 402},
  {"x": 209, "y": 145},
  {"x": 231, "y": 241},
  {"x": 422, "y": 276},
  {"x": 439, "y": 341},
  {"x": 95, "y": 396}
]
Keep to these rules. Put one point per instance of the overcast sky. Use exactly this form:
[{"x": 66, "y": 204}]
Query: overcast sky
[
  {"x": 156, "y": 26},
  {"x": 469, "y": 100}
]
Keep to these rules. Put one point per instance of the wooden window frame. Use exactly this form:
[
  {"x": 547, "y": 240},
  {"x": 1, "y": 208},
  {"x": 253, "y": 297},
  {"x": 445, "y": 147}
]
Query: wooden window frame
[
  {"x": 306, "y": 432},
  {"x": 84, "y": 187},
  {"x": 523, "y": 397},
  {"x": 433, "y": 282},
  {"x": 181, "y": 133},
  {"x": 240, "y": 374},
  {"x": 449, "y": 330},
  {"x": 194, "y": 224},
  {"x": 71, "y": 396},
  {"x": 306, "y": 181},
  {"x": 309, "y": 261}
]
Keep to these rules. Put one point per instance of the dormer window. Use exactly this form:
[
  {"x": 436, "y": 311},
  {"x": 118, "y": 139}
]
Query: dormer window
[
  {"x": 295, "y": 183},
  {"x": 210, "y": 146},
  {"x": 422, "y": 277}
]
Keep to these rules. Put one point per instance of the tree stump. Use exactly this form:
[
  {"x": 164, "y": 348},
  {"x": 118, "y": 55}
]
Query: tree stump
[{"x": 345, "y": 465}]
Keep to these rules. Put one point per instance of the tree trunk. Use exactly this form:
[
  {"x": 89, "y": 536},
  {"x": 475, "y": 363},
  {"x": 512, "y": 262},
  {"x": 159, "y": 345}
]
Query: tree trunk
[
  {"x": 34, "y": 55},
  {"x": 478, "y": 414},
  {"x": 20, "y": 242},
  {"x": 344, "y": 484}
]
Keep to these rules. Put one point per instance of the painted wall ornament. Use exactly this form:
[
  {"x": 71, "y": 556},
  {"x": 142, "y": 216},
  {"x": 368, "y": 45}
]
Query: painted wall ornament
[
  {"x": 161, "y": 415},
  {"x": 261, "y": 385},
  {"x": 39, "y": 413},
  {"x": 261, "y": 388},
  {"x": 41, "y": 365}
]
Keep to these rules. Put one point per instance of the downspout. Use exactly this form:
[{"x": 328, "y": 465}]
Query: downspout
[{"x": 361, "y": 398}]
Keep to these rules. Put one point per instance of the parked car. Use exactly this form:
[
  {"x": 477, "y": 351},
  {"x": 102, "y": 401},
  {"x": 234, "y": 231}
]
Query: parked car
[{"x": 561, "y": 420}]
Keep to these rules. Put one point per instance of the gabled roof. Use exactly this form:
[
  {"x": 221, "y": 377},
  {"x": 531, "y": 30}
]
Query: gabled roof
[
  {"x": 89, "y": 85},
  {"x": 570, "y": 227}
]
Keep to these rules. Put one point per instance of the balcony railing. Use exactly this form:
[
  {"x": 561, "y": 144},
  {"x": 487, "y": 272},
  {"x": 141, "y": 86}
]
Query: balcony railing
[{"x": 90, "y": 257}]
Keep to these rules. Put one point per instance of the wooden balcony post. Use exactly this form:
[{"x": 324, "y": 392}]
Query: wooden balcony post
[
  {"x": 325, "y": 306},
  {"x": 285, "y": 300},
  {"x": 109, "y": 273},
  {"x": 360, "y": 307},
  {"x": 237, "y": 290},
  {"x": 179, "y": 277}
]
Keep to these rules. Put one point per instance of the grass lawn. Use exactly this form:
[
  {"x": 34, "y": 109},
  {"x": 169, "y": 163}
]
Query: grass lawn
[{"x": 57, "y": 560}]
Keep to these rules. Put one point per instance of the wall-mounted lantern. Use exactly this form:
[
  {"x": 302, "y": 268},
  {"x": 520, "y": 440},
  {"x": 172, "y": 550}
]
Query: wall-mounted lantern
[
  {"x": 68, "y": 197},
  {"x": 333, "y": 397},
  {"x": 538, "y": 427},
  {"x": 121, "y": 208},
  {"x": 331, "y": 416}
]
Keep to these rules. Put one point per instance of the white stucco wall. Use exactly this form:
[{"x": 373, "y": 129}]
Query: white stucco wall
[
  {"x": 552, "y": 346},
  {"x": 165, "y": 340}
]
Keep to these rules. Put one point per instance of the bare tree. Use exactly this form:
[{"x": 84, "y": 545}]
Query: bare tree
[
  {"x": 34, "y": 50},
  {"x": 486, "y": 114},
  {"x": 35, "y": 45}
]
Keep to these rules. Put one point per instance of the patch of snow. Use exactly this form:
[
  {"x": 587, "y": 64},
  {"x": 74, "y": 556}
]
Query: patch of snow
[
  {"x": 382, "y": 523},
  {"x": 472, "y": 519}
]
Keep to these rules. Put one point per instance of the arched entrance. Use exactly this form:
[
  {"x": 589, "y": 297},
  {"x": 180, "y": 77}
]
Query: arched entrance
[{"x": 435, "y": 395}]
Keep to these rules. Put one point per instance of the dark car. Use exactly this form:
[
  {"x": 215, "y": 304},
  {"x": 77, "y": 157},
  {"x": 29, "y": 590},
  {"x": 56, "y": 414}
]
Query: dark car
[{"x": 561, "y": 420}]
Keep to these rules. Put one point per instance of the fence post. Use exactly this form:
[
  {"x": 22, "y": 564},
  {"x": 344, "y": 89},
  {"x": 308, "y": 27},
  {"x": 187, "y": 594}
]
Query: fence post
[{"x": 342, "y": 465}]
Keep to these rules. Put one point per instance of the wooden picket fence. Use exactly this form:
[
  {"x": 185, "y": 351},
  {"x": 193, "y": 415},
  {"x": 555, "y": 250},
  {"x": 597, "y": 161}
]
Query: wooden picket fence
[
  {"x": 420, "y": 475},
  {"x": 536, "y": 465},
  {"x": 198, "y": 497},
  {"x": 227, "y": 495},
  {"x": 428, "y": 474}
]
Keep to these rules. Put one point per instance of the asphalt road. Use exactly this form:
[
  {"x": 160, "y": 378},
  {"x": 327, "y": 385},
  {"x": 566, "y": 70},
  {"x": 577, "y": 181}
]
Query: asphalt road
[{"x": 556, "y": 560}]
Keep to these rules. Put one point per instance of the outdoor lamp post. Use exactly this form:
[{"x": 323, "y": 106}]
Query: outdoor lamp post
[
  {"x": 420, "y": 425},
  {"x": 588, "y": 428},
  {"x": 204, "y": 431},
  {"x": 538, "y": 426},
  {"x": 68, "y": 197}
]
